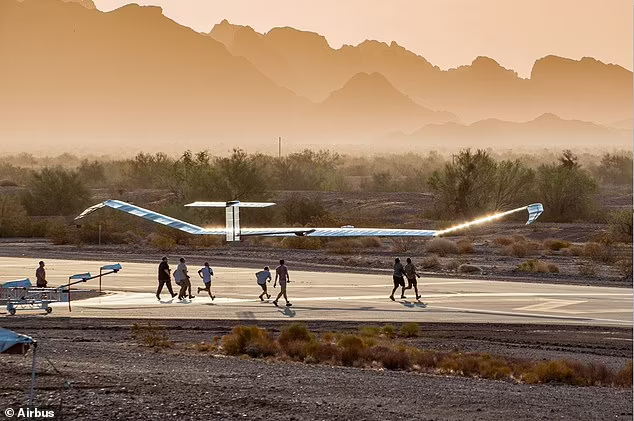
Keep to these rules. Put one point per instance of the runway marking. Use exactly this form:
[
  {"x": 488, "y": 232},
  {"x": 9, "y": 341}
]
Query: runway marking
[{"x": 552, "y": 305}]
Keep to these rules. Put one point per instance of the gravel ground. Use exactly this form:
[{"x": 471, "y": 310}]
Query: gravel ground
[{"x": 113, "y": 377}]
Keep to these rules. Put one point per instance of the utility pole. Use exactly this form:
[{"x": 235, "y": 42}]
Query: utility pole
[{"x": 279, "y": 147}]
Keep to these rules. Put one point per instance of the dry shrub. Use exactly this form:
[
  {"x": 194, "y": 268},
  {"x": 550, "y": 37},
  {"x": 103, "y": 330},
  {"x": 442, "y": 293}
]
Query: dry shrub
[
  {"x": 537, "y": 266},
  {"x": 427, "y": 359},
  {"x": 624, "y": 266},
  {"x": 476, "y": 365},
  {"x": 555, "y": 244},
  {"x": 465, "y": 247},
  {"x": 624, "y": 377},
  {"x": 370, "y": 242},
  {"x": 370, "y": 331},
  {"x": 442, "y": 246},
  {"x": 302, "y": 243},
  {"x": 467, "y": 268},
  {"x": 430, "y": 262},
  {"x": 503, "y": 241},
  {"x": 554, "y": 371},
  {"x": 323, "y": 352},
  {"x": 205, "y": 241},
  {"x": 588, "y": 269},
  {"x": 59, "y": 233},
  {"x": 595, "y": 252},
  {"x": 390, "y": 358},
  {"x": 404, "y": 244},
  {"x": 250, "y": 340},
  {"x": 388, "y": 330},
  {"x": 204, "y": 347},
  {"x": 351, "y": 350},
  {"x": 161, "y": 242},
  {"x": 151, "y": 335},
  {"x": 409, "y": 330},
  {"x": 516, "y": 250},
  {"x": 519, "y": 238},
  {"x": 573, "y": 251},
  {"x": 295, "y": 332},
  {"x": 342, "y": 246},
  {"x": 452, "y": 265},
  {"x": 296, "y": 349}
]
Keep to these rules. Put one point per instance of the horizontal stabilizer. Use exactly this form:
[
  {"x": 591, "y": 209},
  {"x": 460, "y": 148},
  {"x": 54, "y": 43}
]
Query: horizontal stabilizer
[{"x": 230, "y": 204}]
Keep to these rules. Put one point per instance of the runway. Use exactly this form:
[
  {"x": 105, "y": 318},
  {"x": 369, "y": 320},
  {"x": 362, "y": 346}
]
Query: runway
[{"x": 329, "y": 296}]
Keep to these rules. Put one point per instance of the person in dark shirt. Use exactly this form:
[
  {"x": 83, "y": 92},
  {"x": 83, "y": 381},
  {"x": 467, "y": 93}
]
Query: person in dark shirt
[
  {"x": 399, "y": 271},
  {"x": 40, "y": 275},
  {"x": 412, "y": 274},
  {"x": 164, "y": 279}
]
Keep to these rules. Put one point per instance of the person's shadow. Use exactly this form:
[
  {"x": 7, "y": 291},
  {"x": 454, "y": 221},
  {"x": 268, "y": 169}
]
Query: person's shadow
[
  {"x": 414, "y": 304},
  {"x": 287, "y": 311},
  {"x": 170, "y": 301}
]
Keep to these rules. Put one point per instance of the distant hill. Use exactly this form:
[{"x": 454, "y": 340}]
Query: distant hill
[
  {"x": 545, "y": 131},
  {"x": 584, "y": 89}
]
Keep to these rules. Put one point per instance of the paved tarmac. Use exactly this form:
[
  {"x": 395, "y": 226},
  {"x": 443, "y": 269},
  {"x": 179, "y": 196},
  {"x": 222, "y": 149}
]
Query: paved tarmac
[{"x": 329, "y": 296}]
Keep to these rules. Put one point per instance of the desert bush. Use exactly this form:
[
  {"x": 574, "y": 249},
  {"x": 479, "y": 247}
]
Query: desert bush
[
  {"x": 405, "y": 244},
  {"x": 342, "y": 246},
  {"x": 295, "y": 332},
  {"x": 588, "y": 269},
  {"x": 351, "y": 349},
  {"x": 537, "y": 266},
  {"x": 409, "y": 330},
  {"x": 13, "y": 218},
  {"x": 302, "y": 210},
  {"x": 59, "y": 232},
  {"x": 624, "y": 267},
  {"x": 516, "y": 250},
  {"x": 370, "y": 331},
  {"x": 204, "y": 347},
  {"x": 430, "y": 262},
  {"x": 249, "y": 340},
  {"x": 596, "y": 252},
  {"x": 476, "y": 365},
  {"x": 467, "y": 268},
  {"x": 161, "y": 242},
  {"x": 442, "y": 246},
  {"x": 624, "y": 377},
  {"x": 390, "y": 358},
  {"x": 566, "y": 190},
  {"x": 503, "y": 241},
  {"x": 616, "y": 168},
  {"x": 465, "y": 247},
  {"x": 55, "y": 191},
  {"x": 555, "y": 244},
  {"x": 323, "y": 352},
  {"x": 573, "y": 251},
  {"x": 452, "y": 264},
  {"x": 370, "y": 242},
  {"x": 151, "y": 335},
  {"x": 554, "y": 371},
  {"x": 388, "y": 330},
  {"x": 8, "y": 183},
  {"x": 205, "y": 241},
  {"x": 620, "y": 226}
]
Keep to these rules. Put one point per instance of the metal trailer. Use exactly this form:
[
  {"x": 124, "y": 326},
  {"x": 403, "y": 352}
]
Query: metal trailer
[{"x": 33, "y": 298}]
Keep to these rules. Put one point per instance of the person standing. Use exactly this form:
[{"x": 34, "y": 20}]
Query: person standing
[
  {"x": 399, "y": 271},
  {"x": 411, "y": 274},
  {"x": 164, "y": 278},
  {"x": 262, "y": 277},
  {"x": 182, "y": 276},
  {"x": 207, "y": 274},
  {"x": 40, "y": 275},
  {"x": 281, "y": 273}
]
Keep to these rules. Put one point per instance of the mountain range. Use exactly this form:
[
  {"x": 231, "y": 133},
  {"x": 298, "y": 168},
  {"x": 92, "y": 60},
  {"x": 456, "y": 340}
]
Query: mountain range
[{"x": 76, "y": 78}]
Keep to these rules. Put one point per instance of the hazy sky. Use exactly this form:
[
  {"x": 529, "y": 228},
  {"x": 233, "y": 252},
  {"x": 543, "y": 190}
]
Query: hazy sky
[{"x": 448, "y": 33}]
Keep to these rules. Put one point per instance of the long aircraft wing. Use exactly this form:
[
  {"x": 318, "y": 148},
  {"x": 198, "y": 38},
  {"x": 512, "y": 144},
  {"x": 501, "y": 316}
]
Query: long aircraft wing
[{"x": 534, "y": 211}]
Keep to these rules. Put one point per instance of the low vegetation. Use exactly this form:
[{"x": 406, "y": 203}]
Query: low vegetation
[
  {"x": 537, "y": 266},
  {"x": 383, "y": 347},
  {"x": 151, "y": 335}
]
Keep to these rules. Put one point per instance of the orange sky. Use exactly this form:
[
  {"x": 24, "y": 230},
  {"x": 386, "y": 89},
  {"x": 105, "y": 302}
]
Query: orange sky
[{"x": 446, "y": 32}]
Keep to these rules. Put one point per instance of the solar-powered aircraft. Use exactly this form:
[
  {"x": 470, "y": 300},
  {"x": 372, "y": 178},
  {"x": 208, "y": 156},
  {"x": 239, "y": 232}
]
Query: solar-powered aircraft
[{"x": 234, "y": 232}]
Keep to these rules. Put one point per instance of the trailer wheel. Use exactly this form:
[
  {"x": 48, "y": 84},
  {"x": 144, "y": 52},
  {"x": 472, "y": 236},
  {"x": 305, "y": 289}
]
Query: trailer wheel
[
  {"x": 48, "y": 310},
  {"x": 12, "y": 311}
]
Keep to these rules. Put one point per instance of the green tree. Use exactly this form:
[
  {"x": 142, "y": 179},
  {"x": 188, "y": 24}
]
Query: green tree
[
  {"x": 55, "y": 191},
  {"x": 616, "y": 168},
  {"x": 566, "y": 190}
]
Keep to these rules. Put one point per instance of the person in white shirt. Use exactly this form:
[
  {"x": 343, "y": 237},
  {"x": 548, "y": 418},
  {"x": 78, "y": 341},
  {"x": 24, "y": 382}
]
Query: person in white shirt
[
  {"x": 263, "y": 276},
  {"x": 207, "y": 275},
  {"x": 182, "y": 278}
]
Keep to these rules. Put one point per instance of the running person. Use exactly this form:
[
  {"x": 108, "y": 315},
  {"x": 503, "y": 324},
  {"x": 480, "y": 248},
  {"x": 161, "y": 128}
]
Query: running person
[
  {"x": 182, "y": 277},
  {"x": 411, "y": 274},
  {"x": 263, "y": 276},
  {"x": 281, "y": 273},
  {"x": 164, "y": 279},
  {"x": 399, "y": 271},
  {"x": 207, "y": 275}
]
